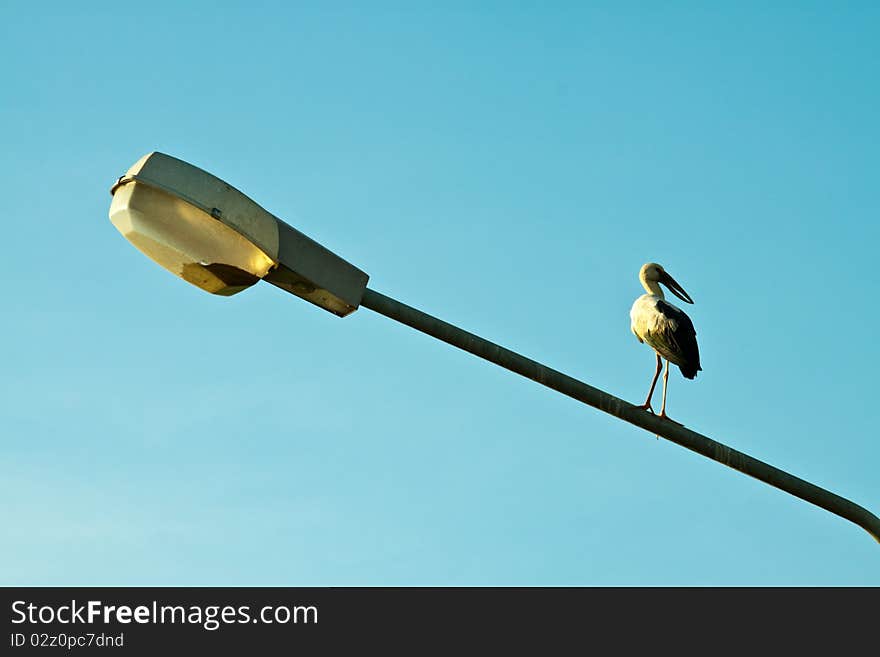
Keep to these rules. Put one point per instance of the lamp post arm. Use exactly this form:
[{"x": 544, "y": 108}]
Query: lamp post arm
[{"x": 621, "y": 409}]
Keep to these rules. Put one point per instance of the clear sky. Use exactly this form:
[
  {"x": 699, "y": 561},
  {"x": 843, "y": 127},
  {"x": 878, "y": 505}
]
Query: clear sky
[{"x": 505, "y": 166}]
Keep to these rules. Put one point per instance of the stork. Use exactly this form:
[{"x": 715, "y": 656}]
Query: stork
[{"x": 665, "y": 328}]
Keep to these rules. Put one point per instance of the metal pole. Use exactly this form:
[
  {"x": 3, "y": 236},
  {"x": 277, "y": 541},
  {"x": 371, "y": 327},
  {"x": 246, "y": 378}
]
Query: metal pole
[{"x": 625, "y": 411}]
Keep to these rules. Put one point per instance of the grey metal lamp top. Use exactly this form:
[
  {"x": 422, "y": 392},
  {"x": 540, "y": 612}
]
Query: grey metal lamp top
[{"x": 209, "y": 233}]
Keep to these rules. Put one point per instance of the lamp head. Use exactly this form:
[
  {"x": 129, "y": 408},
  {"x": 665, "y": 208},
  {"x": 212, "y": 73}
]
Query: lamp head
[{"x": 210, "y": 234}]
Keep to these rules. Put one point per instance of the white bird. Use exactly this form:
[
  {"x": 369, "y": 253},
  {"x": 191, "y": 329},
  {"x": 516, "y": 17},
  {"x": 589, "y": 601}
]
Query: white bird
[{"x": 665, "y": 328}]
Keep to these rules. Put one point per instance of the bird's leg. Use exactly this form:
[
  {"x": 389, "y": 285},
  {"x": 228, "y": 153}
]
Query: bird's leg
[
  {"x": 647, "y": 405},
  {"x": 665, "y": 383},
  {"x": 663, "y": 405}
]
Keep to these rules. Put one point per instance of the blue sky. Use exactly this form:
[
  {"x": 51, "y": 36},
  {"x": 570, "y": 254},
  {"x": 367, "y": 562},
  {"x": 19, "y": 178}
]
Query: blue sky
[{"x": 507, "y": 167}]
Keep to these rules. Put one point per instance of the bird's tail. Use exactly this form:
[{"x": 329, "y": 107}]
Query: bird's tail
[{"x": 689, "y": 371}]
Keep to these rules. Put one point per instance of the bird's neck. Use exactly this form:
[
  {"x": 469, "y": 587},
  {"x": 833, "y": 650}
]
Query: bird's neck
[{"x": 653, "y": 287}]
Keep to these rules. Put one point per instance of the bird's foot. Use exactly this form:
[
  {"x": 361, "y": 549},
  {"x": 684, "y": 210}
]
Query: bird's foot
[
  {"x": 663, "y": 416},
  {"x": 646, "y": 407}
]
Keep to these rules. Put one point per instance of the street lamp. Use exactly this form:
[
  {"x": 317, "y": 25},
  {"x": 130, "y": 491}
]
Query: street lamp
[
  {"x": 215, "y": 237},
  {"x": 210, "y": 234}
]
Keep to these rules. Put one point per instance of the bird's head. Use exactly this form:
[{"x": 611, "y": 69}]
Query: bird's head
[{"x": 651, "y": 272}]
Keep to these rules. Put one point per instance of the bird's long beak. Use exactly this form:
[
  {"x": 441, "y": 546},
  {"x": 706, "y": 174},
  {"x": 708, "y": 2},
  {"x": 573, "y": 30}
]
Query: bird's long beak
[{"x": 675, "y": 288}]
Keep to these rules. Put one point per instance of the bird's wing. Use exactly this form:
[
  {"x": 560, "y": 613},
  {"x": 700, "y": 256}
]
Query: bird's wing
[{"x": 674, "y": 337}]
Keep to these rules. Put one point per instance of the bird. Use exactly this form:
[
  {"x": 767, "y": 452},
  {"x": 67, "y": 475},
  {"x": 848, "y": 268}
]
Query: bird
[{"x": 665, "y": 328}]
